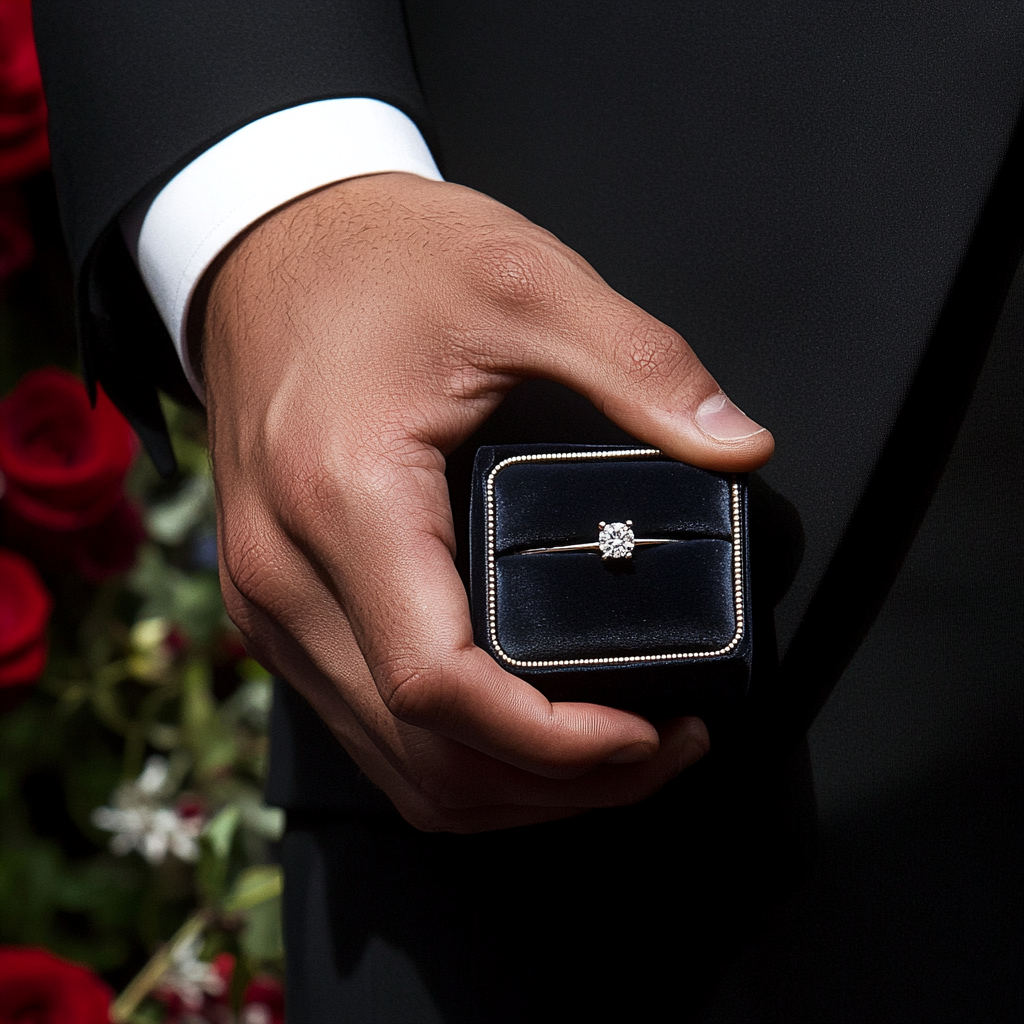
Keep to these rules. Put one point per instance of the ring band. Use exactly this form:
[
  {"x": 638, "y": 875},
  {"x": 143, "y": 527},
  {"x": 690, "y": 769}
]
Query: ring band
[{"x": 615, "y": 540}]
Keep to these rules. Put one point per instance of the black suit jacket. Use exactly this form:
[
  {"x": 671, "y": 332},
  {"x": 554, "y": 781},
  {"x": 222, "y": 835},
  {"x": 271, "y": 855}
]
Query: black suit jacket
[
  {"x": 820, "y": 197},
  {"x": 823, "y": 198}
]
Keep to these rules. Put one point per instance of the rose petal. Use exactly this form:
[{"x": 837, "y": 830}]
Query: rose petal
[
  {"x": 25, "y": 605},
  {"x": 23, "y": 144},
  {"x": 37, "y": 986},
  {"x": 104, "y": 550},
  {"x": 64, "y": 462},
  {"x": 25, "y": 667}
]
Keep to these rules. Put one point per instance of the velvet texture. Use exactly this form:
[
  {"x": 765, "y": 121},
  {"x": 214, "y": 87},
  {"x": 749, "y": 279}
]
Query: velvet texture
[{"x": 678, "y": 599}]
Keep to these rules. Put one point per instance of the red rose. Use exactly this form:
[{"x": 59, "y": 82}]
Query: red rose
[
  {"x": 108, "y": 548},
  {"x": 24, "y": 149},
  {"x": 24, "y": 611},
  {"x": 38, "y": 988},
  {"x": 63, "y": 463}
]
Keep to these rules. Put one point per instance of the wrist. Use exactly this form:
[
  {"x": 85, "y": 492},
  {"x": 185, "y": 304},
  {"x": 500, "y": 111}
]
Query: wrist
[{"x": 253, "y": 274}]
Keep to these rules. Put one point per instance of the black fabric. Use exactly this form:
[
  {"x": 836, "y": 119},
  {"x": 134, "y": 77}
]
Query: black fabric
[
  {"x": 565, "y": 607},
  {"x": 120, "y": 312},
  {"x": 793, "y": 186},
  {"x": 913, "y": 911},
  {"x": 910, "y": 913},
  {"x": 824, "y": 199},
  {"x": 327, "y": 779},
  {"x": 138, "y": 88},
  {"x": 621, "y": 916}
]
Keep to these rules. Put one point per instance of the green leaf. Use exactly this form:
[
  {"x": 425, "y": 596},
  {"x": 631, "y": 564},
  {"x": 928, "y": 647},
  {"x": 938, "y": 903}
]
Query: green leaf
[
  {"x": 211, "y": 876},
  {"x": 198, "y": 709},
  {"x": 251, "y": 702},
  {"x": 211, "y": 742},
  {"x": 261, "y": 936},
  {"x": 252, "y": 670},
  {"x": 220, "y": 831},
  {"x": 254, "y": 886},
  {"x": 215, "y": 853},
  {"x": 266, "y": 822}
]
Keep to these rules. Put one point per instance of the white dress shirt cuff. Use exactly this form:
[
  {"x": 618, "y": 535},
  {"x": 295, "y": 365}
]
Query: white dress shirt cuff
[{"x": 175, "y": 236}]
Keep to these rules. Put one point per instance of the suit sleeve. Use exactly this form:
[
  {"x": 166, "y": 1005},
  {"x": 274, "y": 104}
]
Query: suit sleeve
[{"x": 137, "y": 89}]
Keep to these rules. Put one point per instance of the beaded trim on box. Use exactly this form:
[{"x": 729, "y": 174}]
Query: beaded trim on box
[{"x": 630, "y": 453}]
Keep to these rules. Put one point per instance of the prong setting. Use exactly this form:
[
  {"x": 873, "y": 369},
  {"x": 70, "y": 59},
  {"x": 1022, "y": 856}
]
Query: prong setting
[{"x": 616, "y": 540}]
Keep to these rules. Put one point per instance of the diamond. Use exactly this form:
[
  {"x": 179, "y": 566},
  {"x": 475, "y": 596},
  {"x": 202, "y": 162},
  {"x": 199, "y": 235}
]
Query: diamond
[{"x": 616, "y": 539}]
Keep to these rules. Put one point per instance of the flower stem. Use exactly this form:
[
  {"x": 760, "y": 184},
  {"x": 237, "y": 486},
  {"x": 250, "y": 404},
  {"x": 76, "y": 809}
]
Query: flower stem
[{"x": 149, "y": 977}]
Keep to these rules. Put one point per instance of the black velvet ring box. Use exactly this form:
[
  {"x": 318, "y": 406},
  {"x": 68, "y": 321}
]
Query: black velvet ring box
[{"x": 612, "y": 575}]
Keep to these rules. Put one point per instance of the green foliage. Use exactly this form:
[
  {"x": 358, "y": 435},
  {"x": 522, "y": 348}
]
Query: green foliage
[
  {"x": 140, "y": 667},
  {"x": 58, "y": 887},
  {"x": 83, "y": 911},
  {"x": 190, "y": 599},
  {"x": 131, "y": 813},
  {"x": 215, "y": 854},
  {"x": 261, "y": 934},
  {"x": 252, "y": 887}
]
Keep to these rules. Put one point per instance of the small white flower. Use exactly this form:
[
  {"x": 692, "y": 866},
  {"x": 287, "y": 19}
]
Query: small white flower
[
  {"x": 190, "y": 978},
  {"x": 140, "y": 820},
  {"x": 153, "y": 777}
]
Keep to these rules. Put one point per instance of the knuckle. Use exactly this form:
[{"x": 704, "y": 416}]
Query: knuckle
[
  {"x": 517, "y": 272},
  {"x": 650, "y": 351},
  {"x": 302, "y": 476},
  {"x": 397, "y": 470},
  {"x": 251, "y": 624},
  {"x": 239, "y": 610},
  {"x": 412, "y": 693},
  {"x": 247, "y": 564}
]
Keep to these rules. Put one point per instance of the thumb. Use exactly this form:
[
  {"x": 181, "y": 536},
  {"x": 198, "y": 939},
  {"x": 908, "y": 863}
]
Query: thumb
[{"x": 644, "y": 376}]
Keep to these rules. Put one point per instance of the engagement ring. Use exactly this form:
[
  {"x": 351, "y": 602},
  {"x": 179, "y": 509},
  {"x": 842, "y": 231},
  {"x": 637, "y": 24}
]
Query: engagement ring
[{"x": 615, "y": 540}]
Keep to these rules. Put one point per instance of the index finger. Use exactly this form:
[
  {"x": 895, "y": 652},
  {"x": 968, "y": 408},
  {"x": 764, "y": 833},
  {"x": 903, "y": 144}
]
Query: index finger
[{"x": 396, "y": 581}]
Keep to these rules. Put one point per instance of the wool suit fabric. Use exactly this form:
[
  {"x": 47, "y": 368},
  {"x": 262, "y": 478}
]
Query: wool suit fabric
[{"x": 825, "y": 200}]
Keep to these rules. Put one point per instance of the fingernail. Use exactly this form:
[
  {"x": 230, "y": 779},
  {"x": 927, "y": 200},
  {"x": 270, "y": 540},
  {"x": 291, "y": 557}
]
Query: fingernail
[
  {"x": 631, "y": 754},
  {"x": 723, "y": 421}
]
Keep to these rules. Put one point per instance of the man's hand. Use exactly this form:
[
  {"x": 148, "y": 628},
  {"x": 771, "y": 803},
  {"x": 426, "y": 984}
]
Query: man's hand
[{"x": 350, "y": 340}]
